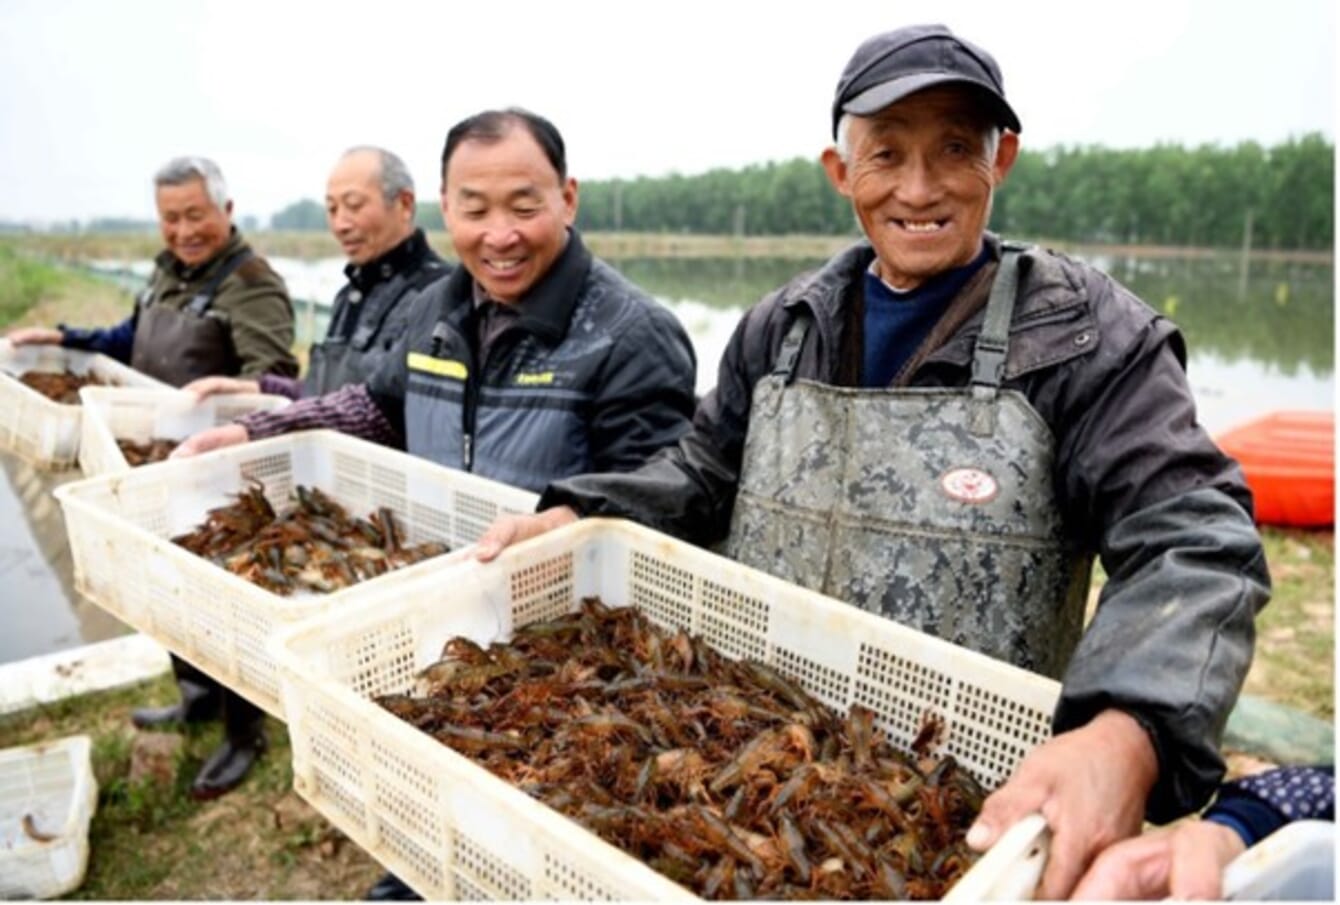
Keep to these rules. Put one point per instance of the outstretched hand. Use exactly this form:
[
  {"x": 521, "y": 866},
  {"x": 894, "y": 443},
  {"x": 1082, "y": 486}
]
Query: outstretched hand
[
  {"x": 1185, "y": 861},
  {"x": 513, "y": 529},
  {"x": 1090, "y": 784},
  {"x": 34, "y": 336},
  {"x": 205, "y": 387},
  {"x": 211, "y": 438}
]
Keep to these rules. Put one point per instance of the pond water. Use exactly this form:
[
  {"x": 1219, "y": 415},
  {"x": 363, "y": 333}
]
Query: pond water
[{"x": 1260, "y": 337}]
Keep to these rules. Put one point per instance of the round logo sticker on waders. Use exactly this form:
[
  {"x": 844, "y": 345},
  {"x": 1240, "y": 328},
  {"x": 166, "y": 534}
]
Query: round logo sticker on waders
[{"x": 969, "y": 485}]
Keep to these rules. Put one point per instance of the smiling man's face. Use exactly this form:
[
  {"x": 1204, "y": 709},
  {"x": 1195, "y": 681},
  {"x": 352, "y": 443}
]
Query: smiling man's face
[
  {"x": 920, "y": 178},
  {"x": 194, "y": 228},
  {"x": 508, "y": 212}
]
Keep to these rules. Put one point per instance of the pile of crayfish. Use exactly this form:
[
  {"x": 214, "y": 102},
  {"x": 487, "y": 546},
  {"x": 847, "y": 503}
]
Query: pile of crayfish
[
  {"x": 316, "y": 546},
  {"x": 725, "y": 776},
  {"x": 62, "y": 387},
  {"x": 154, "y": 450}
]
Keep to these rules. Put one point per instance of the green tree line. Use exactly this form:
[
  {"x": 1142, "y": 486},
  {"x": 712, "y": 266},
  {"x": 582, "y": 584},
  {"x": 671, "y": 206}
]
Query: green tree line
[
  {"x": 1165, "y": 195},
  {"x": 1210, "y": 195}
]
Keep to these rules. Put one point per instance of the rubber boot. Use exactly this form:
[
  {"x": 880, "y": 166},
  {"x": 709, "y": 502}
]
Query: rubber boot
[
  {"x": 391, "y": 888},
  {"x": 244, "y": 742},
  {"x": 201, "y": 698}
]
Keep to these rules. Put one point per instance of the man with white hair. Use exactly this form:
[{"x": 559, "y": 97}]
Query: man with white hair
[
  {"x": 212, "y": 306},
  {"x": 370, "y": 209},
  {"x": 944, "y": 429}
]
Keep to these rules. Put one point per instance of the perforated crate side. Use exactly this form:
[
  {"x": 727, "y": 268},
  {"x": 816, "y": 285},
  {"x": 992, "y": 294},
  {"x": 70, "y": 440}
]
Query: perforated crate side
[
  {"x": 53, "y": 782},
  {"x": 542, "y": 590},
  {"x": 44, "y": 432}
]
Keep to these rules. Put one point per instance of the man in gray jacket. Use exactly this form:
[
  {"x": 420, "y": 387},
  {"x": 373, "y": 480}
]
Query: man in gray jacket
[{"x": 944, "y": 429}]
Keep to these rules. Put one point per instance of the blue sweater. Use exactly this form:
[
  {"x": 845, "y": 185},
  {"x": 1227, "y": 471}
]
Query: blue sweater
[{"x": 897, "y": 323}]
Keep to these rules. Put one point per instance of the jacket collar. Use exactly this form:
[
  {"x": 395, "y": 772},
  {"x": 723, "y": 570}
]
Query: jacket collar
[
  {"x": 547, "y": 309},
  {"x": 1053, "y": 320},
  {"x": 166, "y": 260},
  {"x": 405, "y": 257},
  {"x": 1052, "y": 305}
]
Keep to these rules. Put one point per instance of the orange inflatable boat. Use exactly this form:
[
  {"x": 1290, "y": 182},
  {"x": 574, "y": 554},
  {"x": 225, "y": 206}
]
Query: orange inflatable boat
[{"x": 1289, "y": 460}]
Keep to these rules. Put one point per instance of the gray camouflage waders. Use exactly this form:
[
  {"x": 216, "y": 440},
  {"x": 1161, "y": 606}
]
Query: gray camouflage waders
[{"x": 932, "y": 507}]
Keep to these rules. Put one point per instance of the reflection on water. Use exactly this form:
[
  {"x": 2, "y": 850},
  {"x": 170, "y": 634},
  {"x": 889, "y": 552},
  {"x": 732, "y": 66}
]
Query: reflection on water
[
  {"x": 1259, "y": 337},
  {"x": 39, "y": 607}
]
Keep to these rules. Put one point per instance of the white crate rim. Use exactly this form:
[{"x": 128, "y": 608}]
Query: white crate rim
[{"x": 98, "y": 449}]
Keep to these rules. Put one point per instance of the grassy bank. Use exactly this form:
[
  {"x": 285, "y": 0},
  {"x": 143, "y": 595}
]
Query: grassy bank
[
  {"x": 1295, "y": 633},
  {"x": 149, "y": 840},
  {"x": 34, "y": 291}
]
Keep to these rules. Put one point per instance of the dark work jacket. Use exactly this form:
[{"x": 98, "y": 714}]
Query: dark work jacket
[
  {"x": 1140, "y": 483},
  {"x": 592, "y": 375},
  {"x": 371, "y": 313}
]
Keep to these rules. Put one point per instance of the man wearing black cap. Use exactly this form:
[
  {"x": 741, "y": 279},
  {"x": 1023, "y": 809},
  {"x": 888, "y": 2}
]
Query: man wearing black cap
[{"x": 945, "y": 428}]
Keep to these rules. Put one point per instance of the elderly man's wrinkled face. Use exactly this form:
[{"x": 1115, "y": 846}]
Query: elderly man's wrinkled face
[
  {"x": 920, "y": 179},
  {"x": 361, "y": 219},
  {"x": 508, "y": 212},
  {"x": 194, "y": 228}
]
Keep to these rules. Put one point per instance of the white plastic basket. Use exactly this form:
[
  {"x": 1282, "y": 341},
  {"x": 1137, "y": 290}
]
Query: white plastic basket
[
  {"x": 121, "y": 525},
  {"x": 46, "y": 433},
  {"x": 113, "y": 413},
  {"x": 1294, "y": 863},
  {"x": 51, "y": 785},
  {"x": 452, "y": 830}
]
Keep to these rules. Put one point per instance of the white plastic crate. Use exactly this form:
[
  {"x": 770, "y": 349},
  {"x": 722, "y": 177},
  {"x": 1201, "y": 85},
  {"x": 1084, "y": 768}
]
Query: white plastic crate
[
  {"x": 1294, "y": 863},
  {"x": 452, "y": 830},
  {"x": 121, "y": 525},
  {"x": 46, "y": 433},
  {"x": 52, "y": 785},
  {"x": 113, "y": 413}
]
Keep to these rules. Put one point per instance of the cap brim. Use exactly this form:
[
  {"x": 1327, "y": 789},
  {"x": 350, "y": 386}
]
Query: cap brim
[{"x": 876, "y": 98}]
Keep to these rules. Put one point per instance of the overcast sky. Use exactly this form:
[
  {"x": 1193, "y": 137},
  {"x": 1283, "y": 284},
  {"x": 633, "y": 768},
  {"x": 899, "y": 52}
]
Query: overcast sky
[{"x": 94, "y": 95}]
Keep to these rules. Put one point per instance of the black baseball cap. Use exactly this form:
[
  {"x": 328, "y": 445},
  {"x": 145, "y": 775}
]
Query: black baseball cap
[{"x": 888, "y": 67}]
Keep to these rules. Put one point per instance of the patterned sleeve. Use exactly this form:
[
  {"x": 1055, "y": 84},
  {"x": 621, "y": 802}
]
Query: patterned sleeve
[
  {"x": 1256, "y": 806},
  {"x": 349, "y": 410}
]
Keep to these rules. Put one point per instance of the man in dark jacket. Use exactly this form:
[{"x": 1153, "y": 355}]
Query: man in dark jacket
[
  {"x": 212, "y": 306},
  {"x": 944, "y": 429},
  {"x": 534, "y": 360},
  {"x": 370, "y": 208}
]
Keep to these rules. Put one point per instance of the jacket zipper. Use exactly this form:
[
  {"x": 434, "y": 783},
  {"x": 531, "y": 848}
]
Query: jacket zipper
[
  {"x": 468, "y": 419},
  {"x": 440, "y": 334}
]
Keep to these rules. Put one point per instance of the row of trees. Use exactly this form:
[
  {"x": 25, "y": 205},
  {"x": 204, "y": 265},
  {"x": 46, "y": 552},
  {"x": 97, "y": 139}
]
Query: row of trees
[
  {"x": 1165, "y": 195},
  {"x": 1277, "y": 197}
]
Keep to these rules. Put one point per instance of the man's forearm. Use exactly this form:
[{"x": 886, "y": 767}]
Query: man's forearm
[{"x": 349, "y": 410}]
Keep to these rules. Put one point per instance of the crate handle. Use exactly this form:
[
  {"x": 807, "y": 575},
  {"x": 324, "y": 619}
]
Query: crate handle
[{"x": 1010, "y": 869}]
